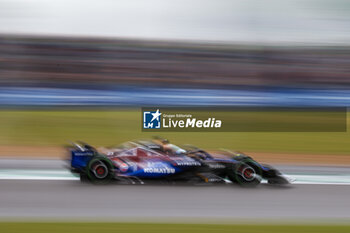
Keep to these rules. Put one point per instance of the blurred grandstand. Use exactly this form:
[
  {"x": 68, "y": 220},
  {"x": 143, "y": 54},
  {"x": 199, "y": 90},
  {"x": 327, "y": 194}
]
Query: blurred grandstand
[{"x": 66, "y": 71}]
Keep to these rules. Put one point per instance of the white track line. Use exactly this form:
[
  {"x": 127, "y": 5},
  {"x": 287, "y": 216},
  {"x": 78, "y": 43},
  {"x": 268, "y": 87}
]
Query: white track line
[{"x": 16, "y": 174}]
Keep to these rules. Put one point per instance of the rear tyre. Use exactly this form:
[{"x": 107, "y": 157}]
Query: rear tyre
[
  {"x": 84, "y": 178},
  {"x": 99, "y": 171}
]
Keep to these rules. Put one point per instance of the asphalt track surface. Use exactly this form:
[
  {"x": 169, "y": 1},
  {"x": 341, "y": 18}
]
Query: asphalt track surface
[{"x": 70, "y": 199}]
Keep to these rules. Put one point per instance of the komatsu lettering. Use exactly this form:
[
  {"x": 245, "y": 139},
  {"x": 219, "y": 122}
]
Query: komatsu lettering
[{"x": 159, "y": 170}]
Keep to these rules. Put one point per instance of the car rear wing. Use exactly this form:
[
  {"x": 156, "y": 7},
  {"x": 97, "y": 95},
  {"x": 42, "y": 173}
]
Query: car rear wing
[
  {"x": 82, "y": 146},
  {"x": 81, "y": 153}
]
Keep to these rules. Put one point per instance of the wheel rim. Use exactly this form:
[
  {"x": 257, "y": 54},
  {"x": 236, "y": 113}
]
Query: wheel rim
[
  {"x": 247, "y": 173},
  {"x": 100, "y": 170}
]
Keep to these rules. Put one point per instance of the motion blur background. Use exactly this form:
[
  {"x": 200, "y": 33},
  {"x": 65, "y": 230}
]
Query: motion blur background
[
  {"x": 74, "y": 69},
  {"x": 82, "y": 69}
]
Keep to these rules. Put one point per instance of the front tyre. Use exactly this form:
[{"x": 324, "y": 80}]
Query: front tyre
[{"x": 245, "y": 175}]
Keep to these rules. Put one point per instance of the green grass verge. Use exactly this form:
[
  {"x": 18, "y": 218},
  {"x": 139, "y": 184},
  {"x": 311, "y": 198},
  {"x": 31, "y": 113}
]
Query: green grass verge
[
  {"x": 15, "y": 227},
  {"x": 103, "y": 128}
]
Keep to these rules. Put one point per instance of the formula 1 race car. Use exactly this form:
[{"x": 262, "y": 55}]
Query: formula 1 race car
[{"x": 145, "y": 161}]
